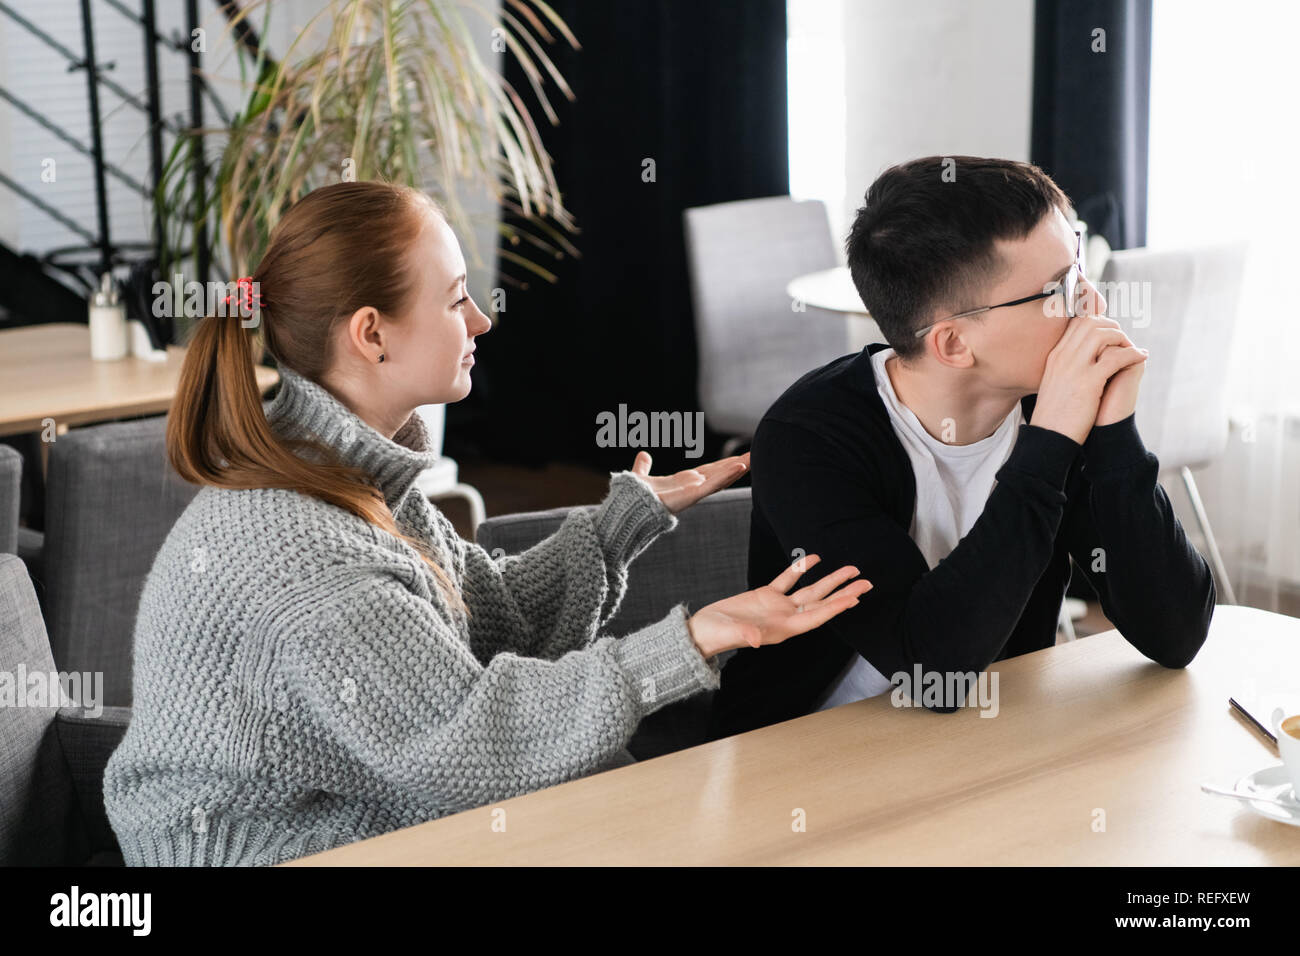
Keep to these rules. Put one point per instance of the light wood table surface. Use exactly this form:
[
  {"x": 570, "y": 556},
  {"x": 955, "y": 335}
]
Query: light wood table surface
[
  {"x": 1085, "y": 728},
  {"x": 46, "y": 373}
]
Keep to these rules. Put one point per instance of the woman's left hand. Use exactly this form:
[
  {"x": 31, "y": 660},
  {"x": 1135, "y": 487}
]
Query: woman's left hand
[{"x": 678, "y": 492}]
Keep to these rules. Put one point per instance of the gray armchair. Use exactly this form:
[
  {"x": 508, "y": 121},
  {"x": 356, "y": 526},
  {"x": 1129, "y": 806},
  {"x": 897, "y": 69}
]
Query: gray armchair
[
  {"x": 111, "y": 499},
  {"x": 11, "y": 477},
  {"x": 51, "y": 758},
  {"x": 700, "y": 562}
]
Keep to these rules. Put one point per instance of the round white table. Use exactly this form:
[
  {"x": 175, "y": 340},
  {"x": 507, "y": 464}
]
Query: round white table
[{"x": 832, "y": 290}]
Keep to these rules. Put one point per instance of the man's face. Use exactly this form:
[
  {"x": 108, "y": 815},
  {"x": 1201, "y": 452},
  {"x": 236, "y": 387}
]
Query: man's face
[{"x": 1011, "y": 344}]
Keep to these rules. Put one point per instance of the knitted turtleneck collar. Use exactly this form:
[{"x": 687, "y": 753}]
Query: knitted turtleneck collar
[{"x": 302, "y": 406}]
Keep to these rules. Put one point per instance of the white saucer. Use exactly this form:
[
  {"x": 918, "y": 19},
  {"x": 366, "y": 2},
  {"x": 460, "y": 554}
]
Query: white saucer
[{"x": 1272, "y": 783}]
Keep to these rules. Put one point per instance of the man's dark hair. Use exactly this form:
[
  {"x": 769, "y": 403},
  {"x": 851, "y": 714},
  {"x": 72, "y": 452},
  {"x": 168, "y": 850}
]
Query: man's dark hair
[{"x": 924, "y": 237}]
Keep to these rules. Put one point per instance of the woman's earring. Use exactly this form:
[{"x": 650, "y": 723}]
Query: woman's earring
[{"x": 381, "y": 357}]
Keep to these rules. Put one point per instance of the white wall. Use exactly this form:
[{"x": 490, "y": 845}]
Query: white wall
[{"x": 938, "y": 77}]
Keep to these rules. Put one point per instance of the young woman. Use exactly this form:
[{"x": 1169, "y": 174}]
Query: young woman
[{"x": 319, "y": 657}]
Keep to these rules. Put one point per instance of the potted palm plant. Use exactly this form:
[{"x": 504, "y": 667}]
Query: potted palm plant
[{"x": 400, "y": 90}]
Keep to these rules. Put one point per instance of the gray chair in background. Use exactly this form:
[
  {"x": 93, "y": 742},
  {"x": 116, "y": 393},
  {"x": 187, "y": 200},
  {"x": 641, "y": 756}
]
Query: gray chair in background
[
  {"x": 703, "y": 560},
  {"x": 111, "y": 499},
  {"x": 52, "y": 758},
  {"x": 1188, "y": 325},
  {"x": 752, "y": 344},
  {"x": 11, "y": 480}
]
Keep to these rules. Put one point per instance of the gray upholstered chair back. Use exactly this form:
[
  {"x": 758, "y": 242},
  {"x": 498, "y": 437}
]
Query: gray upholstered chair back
[
  {"x": 111, "y": 499},
  {"x": 11, "y": 478},
  {"x": 1182, "y": 305},
  {"x": 51, "y": 758},
  {"x": 752, "y": 345},
  {"x": 700, "y": 562}
]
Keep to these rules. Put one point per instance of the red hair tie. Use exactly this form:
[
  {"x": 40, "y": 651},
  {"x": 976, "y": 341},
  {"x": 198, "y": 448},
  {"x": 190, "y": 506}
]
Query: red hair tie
[{"x": 244, "y": 288}]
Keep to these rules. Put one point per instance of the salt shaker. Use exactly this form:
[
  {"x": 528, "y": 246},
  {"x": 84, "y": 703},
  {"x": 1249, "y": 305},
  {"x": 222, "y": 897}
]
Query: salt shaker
[{"x": 108, "y": 339}]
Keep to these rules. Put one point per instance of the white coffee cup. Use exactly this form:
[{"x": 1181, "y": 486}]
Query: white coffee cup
[{"x": 1288, "y": 745}]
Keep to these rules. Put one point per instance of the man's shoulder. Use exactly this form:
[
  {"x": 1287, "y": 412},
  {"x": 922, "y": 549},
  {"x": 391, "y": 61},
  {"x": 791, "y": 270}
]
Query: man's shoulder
[
  {"x": 831, "y": 421},
  {"x": 840, "y": 394}
]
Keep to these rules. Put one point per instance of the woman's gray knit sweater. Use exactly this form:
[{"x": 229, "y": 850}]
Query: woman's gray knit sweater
[{"x": 300, "y": 683}]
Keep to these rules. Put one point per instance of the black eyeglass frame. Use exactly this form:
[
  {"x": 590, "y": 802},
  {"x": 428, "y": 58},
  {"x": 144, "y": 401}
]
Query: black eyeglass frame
[{"x": 1068, "y": 286}]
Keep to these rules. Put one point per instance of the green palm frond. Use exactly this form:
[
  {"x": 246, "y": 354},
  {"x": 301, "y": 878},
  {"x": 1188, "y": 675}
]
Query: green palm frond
[{"x": 398, "y": 91}]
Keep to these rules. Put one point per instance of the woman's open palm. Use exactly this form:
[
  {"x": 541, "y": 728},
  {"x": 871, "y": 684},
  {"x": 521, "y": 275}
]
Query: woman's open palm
[
  {"x": 681, "y": 490},
  {"x": 768, "y": 615}
]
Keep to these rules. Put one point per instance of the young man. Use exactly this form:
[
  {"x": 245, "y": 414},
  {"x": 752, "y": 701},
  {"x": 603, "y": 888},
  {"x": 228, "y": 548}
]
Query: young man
[{"x": 961, "y": 466}]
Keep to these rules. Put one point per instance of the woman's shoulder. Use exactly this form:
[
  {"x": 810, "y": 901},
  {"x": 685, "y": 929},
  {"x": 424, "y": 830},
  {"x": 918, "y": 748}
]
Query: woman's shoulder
[
  {"x": 250, "y": 555},
  {"x": 425, "y": 520},
  {"x": 269, "y": 529},
  {"x": 263, "y": 513}
]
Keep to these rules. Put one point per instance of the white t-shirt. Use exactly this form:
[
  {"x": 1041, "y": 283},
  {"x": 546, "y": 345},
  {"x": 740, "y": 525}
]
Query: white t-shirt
[{"x": 953, "y": 483}]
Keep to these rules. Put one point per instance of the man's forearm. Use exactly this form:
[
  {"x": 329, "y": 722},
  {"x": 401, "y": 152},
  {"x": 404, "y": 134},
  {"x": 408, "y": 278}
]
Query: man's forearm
[{"x": 1154, "y": 586}]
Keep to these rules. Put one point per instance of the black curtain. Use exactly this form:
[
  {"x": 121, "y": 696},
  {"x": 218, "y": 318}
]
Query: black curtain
[
  {"x": 699, "y": 88},
  {"x": 1091, "y": 108}
]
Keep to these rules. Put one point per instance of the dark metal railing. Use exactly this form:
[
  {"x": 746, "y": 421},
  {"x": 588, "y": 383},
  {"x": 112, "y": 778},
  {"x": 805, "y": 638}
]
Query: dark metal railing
[{"x": 105, "y": 251}]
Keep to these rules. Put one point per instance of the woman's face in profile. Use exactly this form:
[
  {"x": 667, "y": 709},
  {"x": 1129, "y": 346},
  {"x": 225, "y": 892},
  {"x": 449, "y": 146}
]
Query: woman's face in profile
[{"x": 432, "y": 348}]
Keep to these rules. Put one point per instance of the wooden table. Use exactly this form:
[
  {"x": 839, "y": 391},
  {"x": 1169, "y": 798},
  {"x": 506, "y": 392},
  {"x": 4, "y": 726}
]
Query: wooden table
[
  {"x": 1088, "y": 733},
  {"x": 47, "y": 375},
  {"x": 832, "y": 290}
]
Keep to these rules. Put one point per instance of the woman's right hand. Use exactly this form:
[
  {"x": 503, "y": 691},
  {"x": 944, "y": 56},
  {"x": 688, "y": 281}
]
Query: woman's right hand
[{"x": 768, "y": 615}]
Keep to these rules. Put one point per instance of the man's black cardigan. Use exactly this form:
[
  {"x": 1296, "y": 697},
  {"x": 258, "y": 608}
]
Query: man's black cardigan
[{"x": 830, "y": 477}]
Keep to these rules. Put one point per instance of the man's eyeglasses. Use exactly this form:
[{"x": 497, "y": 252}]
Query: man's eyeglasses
[{"x": 1069, "y": 287}]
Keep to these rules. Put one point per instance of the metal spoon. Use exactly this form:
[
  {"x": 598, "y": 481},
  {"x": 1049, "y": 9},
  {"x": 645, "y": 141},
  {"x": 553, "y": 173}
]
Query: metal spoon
[{"x": 1220, "y": 792}]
